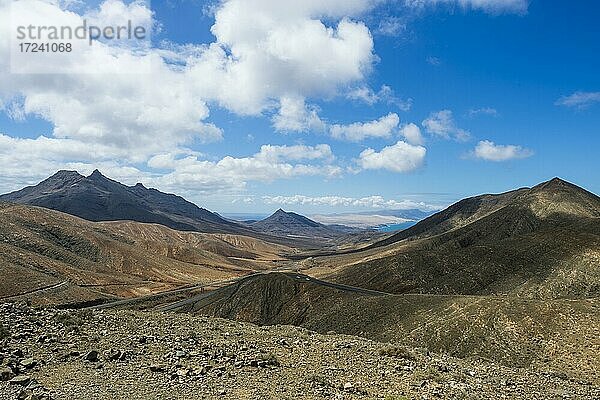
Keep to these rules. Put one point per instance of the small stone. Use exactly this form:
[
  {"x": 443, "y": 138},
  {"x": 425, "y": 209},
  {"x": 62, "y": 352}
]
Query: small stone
[
  {"x": 157, "y": 368},
  {"x": 92, "y": 356},
  {"x": 22, "y": 380},
  {"x": 201, "y": 371},
  {"x": 5, "y": 374},
  {"x": 29, "y": 363},
  {"x": 180, "y": 354},
  {"x": 114, "y": 355}
]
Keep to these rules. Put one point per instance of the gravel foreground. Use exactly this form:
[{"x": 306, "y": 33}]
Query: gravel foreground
[{"x": 50, "y": 354}]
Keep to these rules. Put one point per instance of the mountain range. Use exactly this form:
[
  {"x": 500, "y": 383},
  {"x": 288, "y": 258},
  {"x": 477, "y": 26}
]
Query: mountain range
[
  {"x": 98, "y": 198},
  {"x": 511, "y": 277},
  {"x": 537, "y": 242}
]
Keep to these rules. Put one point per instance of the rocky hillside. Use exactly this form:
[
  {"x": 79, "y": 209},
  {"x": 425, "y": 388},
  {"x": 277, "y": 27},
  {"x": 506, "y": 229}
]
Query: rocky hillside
[
  {"x": 558, "y": 335},
  {"x": 542, "y": 242},
  {"x": 41, "y": 248},
  {"x": 48, "y": 354},
  {"x": 98, "y": 198}
]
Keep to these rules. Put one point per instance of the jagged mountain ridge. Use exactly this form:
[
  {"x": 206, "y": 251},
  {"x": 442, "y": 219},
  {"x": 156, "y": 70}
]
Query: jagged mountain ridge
[{"x": 98, "y": 198}]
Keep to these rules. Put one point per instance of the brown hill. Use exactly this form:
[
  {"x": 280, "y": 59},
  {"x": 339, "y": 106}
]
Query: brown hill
[
  {"x": 40, "y": 248},
  {"x": 548, "y": 335},
  {"x": 542, "y": 242},
  {"x": 98, "y": 198},
  {"x": 288, "y": 224}
]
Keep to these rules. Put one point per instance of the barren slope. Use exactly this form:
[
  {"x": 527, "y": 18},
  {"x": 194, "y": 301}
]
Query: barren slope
[
  {"x": 40, "y": 247},
  {"x": 557, "y": 335},
  {"x": 542, "y": 242}
]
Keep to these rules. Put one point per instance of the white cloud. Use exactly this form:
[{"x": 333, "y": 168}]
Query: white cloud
[
  {"x": 579, "y": 99},
  {"x": 483, "y": 111},
  {"x": 27, "y": 161},
  {"x": 488, "y": 150},
  {"x": 442, "y": 124},
  {"x": 380, "y": 128},
  {"x": 412, "y": 134},
  {"x": 369, "y": 202},
  {"x": 400, "y": 157},
  {"x": 488, "y": 6},
  {"x": 296, "y": 152},
  {"x": 364, "y": 94},
  {"x": 103, "y": 103},
  {"x": 231, "y": 173},
  {"x": 391, "y": 26},
  {"x": 30, "y": 160},
  {"x": 295, "y": 115},
  {"x": 266, "y": 54},
  {"x": 267, "y": 49},
  {"x": 384, "y": 95}
]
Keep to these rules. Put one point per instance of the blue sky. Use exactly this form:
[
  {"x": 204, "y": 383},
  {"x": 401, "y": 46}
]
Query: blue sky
[{"x": 329, "y": 107}]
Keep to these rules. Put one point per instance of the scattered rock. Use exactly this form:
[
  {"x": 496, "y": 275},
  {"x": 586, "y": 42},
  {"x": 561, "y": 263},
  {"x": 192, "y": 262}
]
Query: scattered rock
[
  {"x": 6, "y": 374},
  {"x": 114, "y": 355},
  {"x": 314, "y": 366},
  {"x": 157, "y": 368},
  {"x": 21, "y": 380},
  {"x": 28, "y": 363},
  {"x": 92, "y": 356}
]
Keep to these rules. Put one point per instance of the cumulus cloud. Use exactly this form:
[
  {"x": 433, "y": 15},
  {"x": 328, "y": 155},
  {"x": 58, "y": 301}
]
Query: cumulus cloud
[
  {"x": 380, "y": 128},
  {"x": 400, "y": 157},
  {"x": 442, "y": 124},
  {"x": 412, "y": 134},
  {"x": 267, "y": 49},
  {"x": 489, "y": 151},
  {"x": 27, "y": 161},
  {"x": 369, "y": 202},
  {"x": 488, "y": 6},
  {"x": 267, "y": 55},
  {"x": 579, "y": 100},
  {"x": 231, "y": 173},
  {"x": 295, "y": 116},
  {"x": 100, "y": 102}
]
